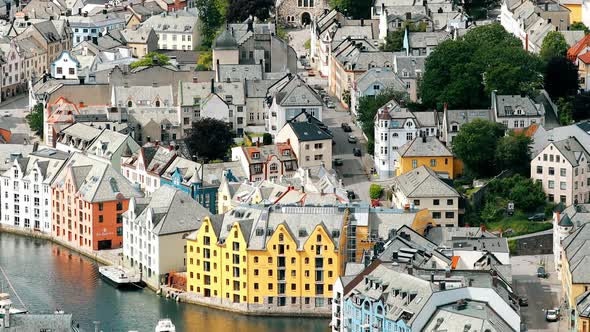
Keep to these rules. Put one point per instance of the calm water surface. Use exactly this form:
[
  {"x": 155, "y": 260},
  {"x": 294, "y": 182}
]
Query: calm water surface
[{"x": 48, "y": 277}]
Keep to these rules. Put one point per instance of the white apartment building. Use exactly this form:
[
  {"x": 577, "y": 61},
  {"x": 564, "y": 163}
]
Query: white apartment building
[
  {"x": 25, "y": 190},
  {"x": 154, "y": 231},
  {"x": 175, "y": 32},
  {"x": 395, "y": 126},
  {"x": 563, "y": 169}
]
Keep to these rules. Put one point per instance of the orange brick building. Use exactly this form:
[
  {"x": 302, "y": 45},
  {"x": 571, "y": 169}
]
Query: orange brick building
[{"x": 89, "y": 198}]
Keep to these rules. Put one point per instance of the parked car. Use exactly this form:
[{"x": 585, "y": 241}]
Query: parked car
[
  {"x": 346, "y": 127},
  {"x": 523, "y": 301},
  {"x": 351, "y": 195},
  {"x": 356, "y": 152},
  {"x": 537, "y": 217},
  {"x": 330, "y": 104},
  {"x": 338, "y": 162},
  {"x": 541, "y": 273},
  {"x": 552, "y": 315},
  {"x": 352, "y": 139}
]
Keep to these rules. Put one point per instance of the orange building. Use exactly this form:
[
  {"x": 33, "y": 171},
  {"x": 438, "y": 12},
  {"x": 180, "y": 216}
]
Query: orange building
[{"x": 89, "y": 198}]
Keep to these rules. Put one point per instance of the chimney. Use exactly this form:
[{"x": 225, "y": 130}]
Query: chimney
[
  {"x": 482, "y": 227},
  {"x": 410, "y": 270},
  {"x": 432, "y": 277},
  {"x": 362, "y": 22},
  {"x": 212, "y": 86},
  {"x": 442, "y": 286},
  {"x": 35, "y": 146}
]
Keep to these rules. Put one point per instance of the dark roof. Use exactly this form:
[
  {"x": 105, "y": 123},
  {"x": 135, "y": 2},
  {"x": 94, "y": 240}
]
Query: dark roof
[
  {"x": 565, "y": 221},
  {"x": 306, "y": 131},
  {"x": 225, "y": 41}
]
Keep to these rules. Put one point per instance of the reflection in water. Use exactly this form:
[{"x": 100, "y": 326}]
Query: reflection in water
[{"x": 48, "y": 277}]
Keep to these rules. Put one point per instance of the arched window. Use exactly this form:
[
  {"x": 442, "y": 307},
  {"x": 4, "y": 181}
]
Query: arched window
[
  {"x": 300, "y": 3},
  {"x": 281, "y": 237},
  {"x": 130, "y": 104},
  {"x": 157, "y": 103},
  {"x": 319, "y": 238}
]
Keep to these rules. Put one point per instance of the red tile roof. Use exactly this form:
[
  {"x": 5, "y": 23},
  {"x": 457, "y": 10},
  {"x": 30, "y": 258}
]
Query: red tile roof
[
  {"x": 585, "y": 58},
  {"x": 573, "y": 52}
]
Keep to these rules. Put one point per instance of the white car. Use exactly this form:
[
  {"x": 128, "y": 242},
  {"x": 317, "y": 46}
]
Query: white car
[{"x": 552, "y": 315}]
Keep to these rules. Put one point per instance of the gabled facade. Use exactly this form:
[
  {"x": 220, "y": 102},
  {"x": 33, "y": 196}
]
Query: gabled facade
[
  {"x": 311, "y": 144},
  {"x": 146, "y": 166},
  {"x": 430, "y": 152},
  {"x": 268, "y": 162},
  {"x": 26, "y": 193},
  {"x": 66, "y": 66},
  {"x": 562, "y": 168},
  {"x": 89, "y": 198}
]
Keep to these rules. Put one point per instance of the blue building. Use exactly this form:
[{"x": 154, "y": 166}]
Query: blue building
[
  {"x": 201, "y": 181},
  {"x": 90, "y": 27}
]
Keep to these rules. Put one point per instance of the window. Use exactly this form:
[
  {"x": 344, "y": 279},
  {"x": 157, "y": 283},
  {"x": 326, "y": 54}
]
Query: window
[
  {"x": 551, "y": 184},
  {"x": 414, "y": 163},
  {"x": 432, "y": 162},
  {"x": 317, "y": 145},
  {"x": 436, "y": 202},
  {"x": 417, "y": 202},
  {"x": 562, "y": 185},
  {"x": 539, "y": 169},
  {"x": 435, "y": 215},
  {"x": 59, "y": 70},
  {"x": 450, "y": 202},
  {"x": 449, "y": 215},
  {"x": 71, "y": 71},
  {"x": 562, "y": 172},
  {"x": 100, "y": 206},
  {"x": 409, "y": 136},
  {"x": 551, "y": 171}
]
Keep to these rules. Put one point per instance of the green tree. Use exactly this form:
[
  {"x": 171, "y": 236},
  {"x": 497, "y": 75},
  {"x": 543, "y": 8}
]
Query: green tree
[
  {"x": 579, "y": 26},
  {"x": 375, "y": 191},
  {"x": 581, "y": 107},
  {"x": 35, "y": 119},
  {"x": 356, "y": 9},
  {"x": 210, "y": 139},
  {"x": 152, "y": 59},
  {"x": 240, "y": 10},
  {"x": 561, "y": 78},
  {"x": 267, "y": 139},
  {"x": 565, "y": 110},
  {"x": 210, "y": 18},
  {"x": 513, "y": 152},
  {"x": 526, "y": 194},
  {"x": 205, "y": 61},
  {"x": 368, "y": 107},
  {"x": 475, "y": 145},
  {"x": 463, "y": 72},
  {"x": 554, "y": 45}
]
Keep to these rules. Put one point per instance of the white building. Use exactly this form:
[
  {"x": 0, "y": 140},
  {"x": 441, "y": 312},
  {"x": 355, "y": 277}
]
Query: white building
[
  {"x": 289, "y": 97},
  {"x": 516, "y": 111},
  {"x": 565, "y": 222},
  {"x": 175, "y": 32},
  {"x": 25, "y": 189},
  {"x": 146, "y": 166},
  {"x": 154, "y": 231},
  {"x": 562, "y": 168},
  {"x": 66, "y": 66},
  {"x": 373, "y": 82},
  {"x": 394, "y": 126}
]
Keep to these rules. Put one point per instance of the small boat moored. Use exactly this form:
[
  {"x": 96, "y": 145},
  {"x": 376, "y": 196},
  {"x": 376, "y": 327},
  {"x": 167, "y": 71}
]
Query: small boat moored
[
  {"x": 119, "y": 278},
  {"x": 165, "y": 325}
]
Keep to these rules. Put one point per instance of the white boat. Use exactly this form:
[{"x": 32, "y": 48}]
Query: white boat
[
  {"x": 165, "y": 325},
  {"x": 6, "y": 303},
  {"x": 118, "y": 277}
]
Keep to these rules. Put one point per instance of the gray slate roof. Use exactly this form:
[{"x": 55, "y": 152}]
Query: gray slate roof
[
  {"x": 306, "y": 131},
  {"x": 424, "y": 147},
  {"x": 572, "y": 150},
  {"x": 508, "y": 105},
  {"x": 384, "y": 76},
  {"x": 577, "y": 251},
  {"x": 422, "y": 182}
]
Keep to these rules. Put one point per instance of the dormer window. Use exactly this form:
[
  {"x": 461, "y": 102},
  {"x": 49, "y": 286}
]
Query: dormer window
[
  {"x": 286, "y": 152},
  {"x": 15, "y": 172},
  {"x": 255, "y": 155},
  {"x": 229, "y": 99},
  {"x": 519, "y": 111}
]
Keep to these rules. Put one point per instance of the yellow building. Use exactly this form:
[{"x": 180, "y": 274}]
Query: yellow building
[
  {"x": 429, "y": 152},
  {"x": 575, "y": 7},
  {"x": 282, "y": 259},
  {"x": 575, "y": 278}
]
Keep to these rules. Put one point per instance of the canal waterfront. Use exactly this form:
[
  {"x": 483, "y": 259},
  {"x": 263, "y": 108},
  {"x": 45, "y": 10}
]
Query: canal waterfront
[{"x": 49, "y": 277}]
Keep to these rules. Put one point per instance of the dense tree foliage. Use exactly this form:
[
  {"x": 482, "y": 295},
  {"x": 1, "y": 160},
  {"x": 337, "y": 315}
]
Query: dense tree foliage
[
  {"x": 240, "y": 10},
  {"x": 561, "y": 78},
  {"x": 554, "y": 45},
  {"x": 210, "y": 139},
  {"x": 368, "y": 107},
  {"x": 356, "y": 9},
  {"x": 205, "y": 61},
  {"x": 267, "y": 139},
  {"x": 526, "y": 193},
  {"x": 210, "y": 18},
  {"x": 581, "y": 106},
  {"x": 152, "y": 59},
  {"x": 35, "y": 119},
  {"x": 513, "y": 152},
  {"x": 463, "y": 72},
  {"x": 565, "y": 110},
  {"x": 476, "y": 146},
  {"x": 579, "y": 26}
]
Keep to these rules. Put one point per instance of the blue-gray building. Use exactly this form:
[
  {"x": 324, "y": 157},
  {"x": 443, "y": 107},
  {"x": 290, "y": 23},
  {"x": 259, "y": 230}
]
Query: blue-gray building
[{"x": 90, "y": 27}]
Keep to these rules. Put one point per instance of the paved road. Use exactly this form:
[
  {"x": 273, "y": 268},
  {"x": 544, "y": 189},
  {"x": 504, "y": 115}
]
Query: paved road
[{"x": 541, "y": 293}]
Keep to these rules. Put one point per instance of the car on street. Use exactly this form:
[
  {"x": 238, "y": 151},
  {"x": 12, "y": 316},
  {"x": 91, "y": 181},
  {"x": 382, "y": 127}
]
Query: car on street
[
  {"x": 352, "y": 139},
  {"x": 541, "y": 273},
  {"x": 351, "y": 195},
  {"x": 523, "y": 301},
  {"x": 552, "y": 315},
  {"x": 330, "y": 104},
  {"x": 346, "y": 127},
  {"x": 338, "y": 162},
  {"x": 537, "y": 217},
  {"x": 356, "y": 152}
]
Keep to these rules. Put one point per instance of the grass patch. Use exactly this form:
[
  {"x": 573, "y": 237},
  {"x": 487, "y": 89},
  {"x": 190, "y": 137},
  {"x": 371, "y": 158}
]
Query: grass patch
[
  {"x": 519, "y": 224},
  {"x": 512, "y": 246}
]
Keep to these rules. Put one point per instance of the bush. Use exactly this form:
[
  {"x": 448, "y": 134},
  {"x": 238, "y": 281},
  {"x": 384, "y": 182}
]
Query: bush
[
  {"x": 375, "y": 191},
  {"x": 267, "y": 139},
  {"x": 307, "y": 44}
]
